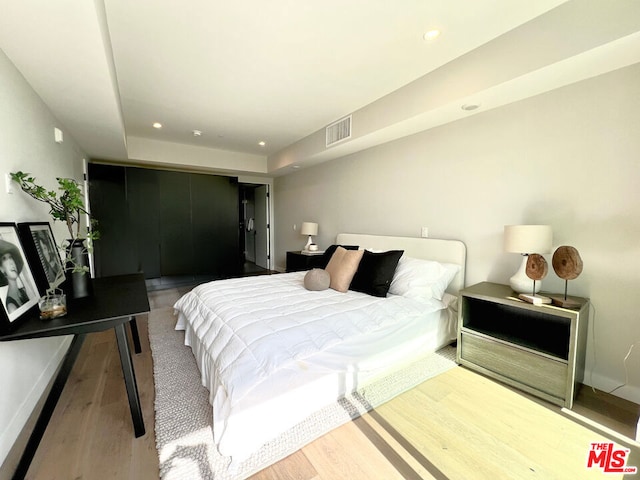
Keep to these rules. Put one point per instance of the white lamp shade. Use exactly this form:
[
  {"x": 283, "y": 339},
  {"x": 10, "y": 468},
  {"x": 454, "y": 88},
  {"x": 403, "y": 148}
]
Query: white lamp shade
[
  {"x": 309, "y": 228},
  {"x": 528, "y": 238}
]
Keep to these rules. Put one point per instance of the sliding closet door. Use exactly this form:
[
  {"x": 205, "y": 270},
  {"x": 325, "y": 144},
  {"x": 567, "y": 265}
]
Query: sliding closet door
[
  {"x": 164, "y": 223},
  {"x": 115, "y": 252},
  {"x": 143, "y": 195},
  {"x": 215, "y": 221},
  {"x": 176, "y": 242}
]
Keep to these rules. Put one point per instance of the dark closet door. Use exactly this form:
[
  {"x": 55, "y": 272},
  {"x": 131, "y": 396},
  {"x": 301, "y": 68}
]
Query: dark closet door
[
  {"x": 164, "y": 223},
  {"x": 143, "y": 194},
  {"x": 215, "y": 218},
  {"x": 115, "y": 252},
  {"x": 176, "y": 244}
]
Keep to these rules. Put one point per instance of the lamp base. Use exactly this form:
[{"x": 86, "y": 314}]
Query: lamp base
[
  {"x": 561, "y": 301},
  {"x": 308, "y": 245},
  {"x": 535, "y": 299},
  {"x": 520, "y": 283}
]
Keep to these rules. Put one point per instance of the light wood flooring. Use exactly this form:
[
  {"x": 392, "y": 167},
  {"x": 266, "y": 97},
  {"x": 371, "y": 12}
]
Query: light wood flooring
[{"x": 458, "y": 425}]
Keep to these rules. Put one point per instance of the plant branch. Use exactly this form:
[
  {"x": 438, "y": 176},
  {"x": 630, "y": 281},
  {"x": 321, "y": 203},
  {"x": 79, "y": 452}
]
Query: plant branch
[{"x": 66, "y": 207}]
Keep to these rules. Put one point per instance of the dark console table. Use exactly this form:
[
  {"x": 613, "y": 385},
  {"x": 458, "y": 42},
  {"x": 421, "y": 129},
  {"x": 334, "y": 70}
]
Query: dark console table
[{"x": 114, "y": 303}]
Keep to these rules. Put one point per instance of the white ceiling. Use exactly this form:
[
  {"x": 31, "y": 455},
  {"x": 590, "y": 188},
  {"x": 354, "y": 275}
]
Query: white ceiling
[{"x": 255, "y": 70}]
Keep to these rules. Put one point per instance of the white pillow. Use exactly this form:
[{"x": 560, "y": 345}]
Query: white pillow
[{"x": 417, "y": 278}]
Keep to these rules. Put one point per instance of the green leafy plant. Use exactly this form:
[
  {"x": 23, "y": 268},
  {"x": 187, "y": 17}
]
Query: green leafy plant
[{"x": 65, "y": 205}]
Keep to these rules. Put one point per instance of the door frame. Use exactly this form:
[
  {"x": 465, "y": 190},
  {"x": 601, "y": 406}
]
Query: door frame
[{"x": 270, "y": 212}]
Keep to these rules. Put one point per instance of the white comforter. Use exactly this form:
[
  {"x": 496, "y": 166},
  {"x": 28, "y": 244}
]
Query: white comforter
[{"x": 250, "y": 329}]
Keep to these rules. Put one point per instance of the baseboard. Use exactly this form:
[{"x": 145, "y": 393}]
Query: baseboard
[
  {"x": 615, "y": 387},
  {"x": 23, "y": 433},
  {"x": 8, "y": 467}
]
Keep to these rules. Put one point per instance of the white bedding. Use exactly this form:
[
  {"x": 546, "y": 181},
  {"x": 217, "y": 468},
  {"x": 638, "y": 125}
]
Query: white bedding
[{"x": 271, "y": 352}]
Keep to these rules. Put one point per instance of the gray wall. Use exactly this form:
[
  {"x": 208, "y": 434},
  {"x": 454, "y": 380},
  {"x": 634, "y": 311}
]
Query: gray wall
[
  {"x": 27, "y": 144},
  {"x": 569, "y": 158}
]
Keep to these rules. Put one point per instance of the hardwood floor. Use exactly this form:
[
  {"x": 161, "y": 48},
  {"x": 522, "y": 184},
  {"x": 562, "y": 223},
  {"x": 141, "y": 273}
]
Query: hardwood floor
[
  {"x": 457, "y": 425},
  {"x": 90, "y": 434},
  {"x": 614, "y": 412}
]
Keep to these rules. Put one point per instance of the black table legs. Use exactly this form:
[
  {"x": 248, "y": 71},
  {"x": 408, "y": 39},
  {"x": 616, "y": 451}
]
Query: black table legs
[
  {"x": 130, "y": 378},
  {"x": 135, "y": 336},
  {"x": 49, "y": 407}
]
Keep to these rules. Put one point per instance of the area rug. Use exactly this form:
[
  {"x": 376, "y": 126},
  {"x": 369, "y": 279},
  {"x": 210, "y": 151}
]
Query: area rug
[{"x": 183, "y": 415}]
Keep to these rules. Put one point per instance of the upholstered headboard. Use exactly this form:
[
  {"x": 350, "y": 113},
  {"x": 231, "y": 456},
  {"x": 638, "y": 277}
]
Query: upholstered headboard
[{"x": 444, "y": 251}]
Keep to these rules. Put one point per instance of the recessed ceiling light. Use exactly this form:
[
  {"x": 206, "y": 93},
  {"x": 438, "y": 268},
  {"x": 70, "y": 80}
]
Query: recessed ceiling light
[
  {"x": 157, "y": 125},
  {"x": 470, "y": 106},
  {"x": 431, "y": 34},
  {"x": 197, "y": 133},
  {"x": 262, "y": 143}
]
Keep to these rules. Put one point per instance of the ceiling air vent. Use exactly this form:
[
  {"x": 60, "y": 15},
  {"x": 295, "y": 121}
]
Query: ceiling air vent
[{"x": 339, "y": 131}]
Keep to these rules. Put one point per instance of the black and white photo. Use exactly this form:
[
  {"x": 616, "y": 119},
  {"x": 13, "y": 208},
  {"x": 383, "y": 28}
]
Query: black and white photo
[
  {"x": 47, "y": 251},
  {"x": 18, "y": 292}
]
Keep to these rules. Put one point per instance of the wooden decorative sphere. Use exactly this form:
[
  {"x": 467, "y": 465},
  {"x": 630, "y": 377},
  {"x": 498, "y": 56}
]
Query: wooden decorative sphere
[
  {"x": 567, "y": 263},
  {"x": 536, "y": 267}
]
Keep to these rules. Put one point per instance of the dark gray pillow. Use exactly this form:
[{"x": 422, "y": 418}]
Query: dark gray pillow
[{"x": 317, "y": 279}]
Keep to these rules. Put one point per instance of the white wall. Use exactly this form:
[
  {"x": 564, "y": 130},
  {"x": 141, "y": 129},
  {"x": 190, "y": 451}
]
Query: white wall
[
  {"x": 569, "y": 158},
  {"x": 27, "y": 144}
]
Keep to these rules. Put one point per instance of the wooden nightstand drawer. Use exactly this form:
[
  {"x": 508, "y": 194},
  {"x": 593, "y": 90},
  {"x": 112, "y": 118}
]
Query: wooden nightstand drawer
[{"x": 520, "y": 366}]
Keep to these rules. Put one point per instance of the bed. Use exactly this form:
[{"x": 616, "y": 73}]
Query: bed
[{"x": 271, "y": 352}]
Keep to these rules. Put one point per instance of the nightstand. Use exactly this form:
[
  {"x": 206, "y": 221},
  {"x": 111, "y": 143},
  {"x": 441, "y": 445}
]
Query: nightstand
[
  {"x": 539, "y": 349},
  {"x": 298, "y": 261}
]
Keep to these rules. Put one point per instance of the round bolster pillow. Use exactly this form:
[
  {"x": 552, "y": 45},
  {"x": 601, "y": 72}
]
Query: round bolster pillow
[{"x": 317, "y": 279}]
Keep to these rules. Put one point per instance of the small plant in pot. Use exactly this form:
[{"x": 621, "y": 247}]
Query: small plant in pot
[{"x": 66, "y": 205}]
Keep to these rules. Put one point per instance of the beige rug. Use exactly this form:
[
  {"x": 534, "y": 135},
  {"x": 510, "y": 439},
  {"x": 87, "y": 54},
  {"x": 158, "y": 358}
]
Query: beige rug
[{"x": 183, "y": 414}]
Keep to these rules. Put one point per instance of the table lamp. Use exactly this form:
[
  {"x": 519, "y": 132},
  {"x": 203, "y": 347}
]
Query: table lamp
[
  {"x": 309, "y": 228},
  {"x": 526, "y": 239}
]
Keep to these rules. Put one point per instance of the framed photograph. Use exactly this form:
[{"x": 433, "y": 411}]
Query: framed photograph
[
  {"x": 18, "y": 291},
  {"x": 42, "y": 254}
]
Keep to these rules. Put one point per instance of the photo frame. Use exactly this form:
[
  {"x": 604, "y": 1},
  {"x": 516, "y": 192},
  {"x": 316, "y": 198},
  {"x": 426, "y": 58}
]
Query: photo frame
[
  {"x": 43, "y": 255},
  {"x": 18, "y": 290}
]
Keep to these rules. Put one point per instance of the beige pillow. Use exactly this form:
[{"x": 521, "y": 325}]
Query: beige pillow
[{"x": 342, "y": 267}]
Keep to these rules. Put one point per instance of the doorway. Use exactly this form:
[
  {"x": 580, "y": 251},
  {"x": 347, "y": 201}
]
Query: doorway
[{"x": 254, "y": 227}]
